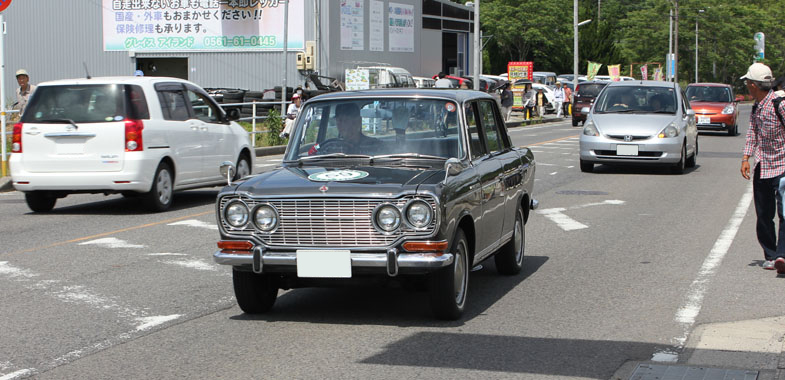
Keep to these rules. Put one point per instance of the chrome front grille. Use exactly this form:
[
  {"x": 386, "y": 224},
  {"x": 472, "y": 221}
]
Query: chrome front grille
[
  {"x": 633, "y": 137},
  {"x": 328, "y": 222}
]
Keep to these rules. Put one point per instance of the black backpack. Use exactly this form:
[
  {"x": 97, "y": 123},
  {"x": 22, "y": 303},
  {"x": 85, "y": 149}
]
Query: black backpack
[{"x": 776, "y": 102}]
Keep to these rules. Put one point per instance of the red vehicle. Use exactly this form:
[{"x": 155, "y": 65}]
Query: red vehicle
[
  {"x": 715, "y": 106},
  {"x": 457, "y": 81}
]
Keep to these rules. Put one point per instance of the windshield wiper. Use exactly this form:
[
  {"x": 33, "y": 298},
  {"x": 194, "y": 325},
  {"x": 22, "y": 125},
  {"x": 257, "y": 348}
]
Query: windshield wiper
[
  {"x": 408, "y": 155},
  {"x": 334, "y": 155},
  {"x": 60, "y": 121}
]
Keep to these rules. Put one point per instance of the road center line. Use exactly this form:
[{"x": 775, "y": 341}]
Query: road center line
[{"x": 693, "y": 301}]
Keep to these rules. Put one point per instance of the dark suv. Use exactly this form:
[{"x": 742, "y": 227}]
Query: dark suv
[{"x": 584, "y": 97}]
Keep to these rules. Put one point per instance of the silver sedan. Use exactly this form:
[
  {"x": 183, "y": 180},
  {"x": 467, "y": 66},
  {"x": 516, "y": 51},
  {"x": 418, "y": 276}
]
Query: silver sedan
[{"x": 640, "y": 123}]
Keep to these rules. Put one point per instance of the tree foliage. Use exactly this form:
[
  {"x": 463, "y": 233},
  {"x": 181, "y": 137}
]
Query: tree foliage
[{"x": 627, "y": 31}]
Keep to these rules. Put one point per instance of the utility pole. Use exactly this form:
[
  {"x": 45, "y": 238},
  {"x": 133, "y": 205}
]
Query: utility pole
[
  {"x": 477, "y": 46},
  {"x": 670, "y": 46},
  {"x": 676, "y": 45}
]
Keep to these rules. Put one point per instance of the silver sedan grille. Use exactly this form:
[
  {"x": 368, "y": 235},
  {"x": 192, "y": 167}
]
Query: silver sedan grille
[{"x": 345, "y": 222}]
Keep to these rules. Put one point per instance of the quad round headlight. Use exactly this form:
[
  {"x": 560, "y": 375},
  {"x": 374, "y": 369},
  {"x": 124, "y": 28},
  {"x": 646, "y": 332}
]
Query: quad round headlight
[
  {"x": 265, "y": 217},
  {"x": 236, "y": 214},
  {"x": 419, "y": 214},
  {"x": 388, "y": 218}
]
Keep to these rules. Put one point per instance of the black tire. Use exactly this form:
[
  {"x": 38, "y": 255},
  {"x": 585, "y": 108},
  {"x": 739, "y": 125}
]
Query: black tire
[
  {"x": 574, "y": 122},
  {"x": 255, "y": 293},
  {"x": 733, "y": 131},
  {"x": 448, "y": 296},
  {"x": 681, "y": 165},
  {"x": 159, "y": 198},
  {"x": 693, "y": 160},
  {"x": 243, "y": 167},
  {"x": 130, "y": 194},
  {"x": 587, "y": 167},
  {"x": 509, "y": 259},
  {"x": 40, "y": 201}
]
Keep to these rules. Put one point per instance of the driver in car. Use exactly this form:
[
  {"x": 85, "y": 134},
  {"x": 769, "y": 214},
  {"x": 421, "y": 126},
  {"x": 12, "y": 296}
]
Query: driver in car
[{"x": 349, "y": 121}]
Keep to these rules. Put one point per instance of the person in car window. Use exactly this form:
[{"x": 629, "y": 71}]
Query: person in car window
[
  {"x": 349, "y": 122},
  {"x": 766, "y": 141},
  {"x": 625, "y": 101}
]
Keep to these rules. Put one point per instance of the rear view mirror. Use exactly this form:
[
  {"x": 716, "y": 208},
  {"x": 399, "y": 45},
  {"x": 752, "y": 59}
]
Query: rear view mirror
[
  {"x": 232, "y": 114},
  {"x": 452, "y": 167}
]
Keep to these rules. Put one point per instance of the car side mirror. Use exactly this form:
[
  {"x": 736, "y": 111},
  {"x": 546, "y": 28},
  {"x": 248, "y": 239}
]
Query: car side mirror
[
  {"x": 585, "y": 110},
  {"x": 452, "y": 167},
  {"x": 691, "y": 112},
  {"x": 227, "y": 170},
  {"x": 232, "y": 114}
]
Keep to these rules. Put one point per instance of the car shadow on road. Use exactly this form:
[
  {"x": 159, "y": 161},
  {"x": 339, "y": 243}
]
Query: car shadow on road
[
  {"x": 119, "y": 205},
  {"x": 638, "y": 169},
  {"x": 393, "y": 306}
]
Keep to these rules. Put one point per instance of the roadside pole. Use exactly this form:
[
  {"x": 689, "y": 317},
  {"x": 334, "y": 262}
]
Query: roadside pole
[
  {"x": 3, "y": 158},
  {"x": 285, "y": 60}
]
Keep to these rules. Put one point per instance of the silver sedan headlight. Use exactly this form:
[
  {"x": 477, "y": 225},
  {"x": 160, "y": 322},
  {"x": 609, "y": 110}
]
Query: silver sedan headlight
[
  {"x": 236, "y": 214},
  {"x": 419, "y": 214},
  {"x": 265, "y": 217},
  {"x": 590, "y": 129},
  {"x": 672, "y": 130},
  {"x": 387, "y": 218}
]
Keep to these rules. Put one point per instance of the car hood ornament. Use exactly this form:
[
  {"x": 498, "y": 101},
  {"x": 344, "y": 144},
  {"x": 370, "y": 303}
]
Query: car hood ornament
[{"x": 324, "y": 188}]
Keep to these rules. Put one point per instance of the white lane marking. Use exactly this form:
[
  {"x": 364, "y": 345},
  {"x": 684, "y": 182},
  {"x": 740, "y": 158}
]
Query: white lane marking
[
  {"x": 111, "y": 242},
  {"x": 566, "y": 223},
  {"x": 13, "y": 272},
  {"x": 20, "y": 373},
  {"x": 150, "y": 322},
  {"x": 273, "y": 160},
  {"x": 166, "y": 254},
  {"x": 693, "y": 301},
  {"x": 195, "y": 223},
  {"x": 193, "y": 264},
  {"x": 571, "y": 166},
  {"x": 263, "y": 165},
  {"x": 554, "y": 173}
]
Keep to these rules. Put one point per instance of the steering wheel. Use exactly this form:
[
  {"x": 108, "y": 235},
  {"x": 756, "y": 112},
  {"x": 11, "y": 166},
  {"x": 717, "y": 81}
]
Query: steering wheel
[{"x": 333, "y": 145}]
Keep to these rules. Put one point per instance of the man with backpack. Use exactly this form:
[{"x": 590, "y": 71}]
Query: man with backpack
[{"x": 766, "y": 141}]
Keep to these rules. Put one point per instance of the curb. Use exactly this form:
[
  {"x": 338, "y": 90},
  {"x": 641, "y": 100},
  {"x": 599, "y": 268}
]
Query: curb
[{"x": 5, "y": 184}]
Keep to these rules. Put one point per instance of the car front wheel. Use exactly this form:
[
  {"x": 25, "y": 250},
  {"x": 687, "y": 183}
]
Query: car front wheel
[
  {"x": 255, "y": 293},
  {"x": 449, "y": 285},
  {"x": 587, "y": 167},
  {"x": 509, "y": 259},
  {"x": 243, "y": 168},
  {"x": 159, "y": 198},
  {"x": 681, "y": 165},
  {"x": 40, "y": 201}
]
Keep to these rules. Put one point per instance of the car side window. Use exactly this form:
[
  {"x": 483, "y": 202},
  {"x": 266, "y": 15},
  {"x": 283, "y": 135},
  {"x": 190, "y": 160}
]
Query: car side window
[
  {"x": 137, "y": 104},
  {"x": 490, "y": 127},
  {"x": 173, "y": 105},
  {"x": 684, "y": 104},
  {"x": 477, "y": 147},
  {"x": 203, "y": 109}
]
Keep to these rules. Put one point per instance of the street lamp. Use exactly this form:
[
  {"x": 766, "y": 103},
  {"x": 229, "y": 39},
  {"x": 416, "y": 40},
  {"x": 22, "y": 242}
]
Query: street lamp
[
  {"x": 575, "y": 25},
  {"x": 696, "y": 44}
]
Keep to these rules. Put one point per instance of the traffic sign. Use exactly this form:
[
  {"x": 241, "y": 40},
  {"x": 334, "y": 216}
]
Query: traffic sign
[
  {"x": 4, "y": 4},
  {"x": 760, "y": 45}
]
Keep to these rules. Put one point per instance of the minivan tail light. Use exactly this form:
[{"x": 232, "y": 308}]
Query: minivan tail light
[
  {"x": 133, "y": 136},
  {"x": 16, "y": 139}
]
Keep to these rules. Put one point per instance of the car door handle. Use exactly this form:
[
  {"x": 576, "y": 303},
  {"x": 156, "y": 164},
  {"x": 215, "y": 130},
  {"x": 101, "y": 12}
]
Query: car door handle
[
  {"x": 204, "y": 128},
  {"x": 194, "y": 128}
]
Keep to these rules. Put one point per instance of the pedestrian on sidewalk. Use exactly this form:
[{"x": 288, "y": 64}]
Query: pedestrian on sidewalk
[
  {"x": 558, "y": 99},
  {"x": 528, "y": 101},
  {"x": 540, "y": 101},
  {"x": 24, "y": 90},
  {"x": 291, "y": 115},
  {"x": 567, "y": 100},
  {"x": 507, "y": 101},
  {"x": 766, "y": 141}
]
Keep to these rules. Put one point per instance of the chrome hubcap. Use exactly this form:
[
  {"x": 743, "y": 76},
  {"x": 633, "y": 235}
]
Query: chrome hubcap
[
  {"x": 243, "y": 169},
  {"x": 518, "y": 241},
  {"x": 164, "y": 186},
  {"x": 460, "y": 274}
]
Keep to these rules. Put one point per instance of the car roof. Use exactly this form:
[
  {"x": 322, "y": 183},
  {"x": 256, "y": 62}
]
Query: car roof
[
  {"x": 458, "y": 95},
  {"x": 636, "y": 83},
  {"x": 113, "y": 80},
  {"x": 708, "y": 85}
]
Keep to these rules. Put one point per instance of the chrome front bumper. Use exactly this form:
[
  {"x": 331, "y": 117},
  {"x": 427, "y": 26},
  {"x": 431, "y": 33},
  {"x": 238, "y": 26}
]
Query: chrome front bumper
[{"x": 391, "y": 260}]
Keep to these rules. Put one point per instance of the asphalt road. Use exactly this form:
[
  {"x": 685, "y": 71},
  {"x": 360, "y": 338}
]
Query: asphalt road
[{"x": 622, "y": 265}]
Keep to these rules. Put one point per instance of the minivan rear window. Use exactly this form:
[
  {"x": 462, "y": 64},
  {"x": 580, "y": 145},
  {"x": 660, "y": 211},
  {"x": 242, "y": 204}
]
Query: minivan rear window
[{"x": 98, "y": 103}]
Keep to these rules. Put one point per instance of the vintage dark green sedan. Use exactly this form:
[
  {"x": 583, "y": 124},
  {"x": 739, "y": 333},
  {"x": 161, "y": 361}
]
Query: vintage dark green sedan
[{"x": 412, "y": 185}]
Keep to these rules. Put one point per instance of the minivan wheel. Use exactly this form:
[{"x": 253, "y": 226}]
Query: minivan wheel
[
  {"x": 159, "y": 198},
  {"x": 243, "y": 168},
  {"x": 448, "y": 285},
  {"x": 40, "y": 201}
]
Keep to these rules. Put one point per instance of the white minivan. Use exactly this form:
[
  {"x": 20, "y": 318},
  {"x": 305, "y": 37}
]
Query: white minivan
[{"x": 139, "y": 136}]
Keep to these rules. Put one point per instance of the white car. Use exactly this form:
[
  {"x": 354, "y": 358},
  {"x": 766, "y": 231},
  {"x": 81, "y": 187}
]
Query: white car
[
  {"x": 138, "y": 136},
  {"x": 424, "y": 82}
]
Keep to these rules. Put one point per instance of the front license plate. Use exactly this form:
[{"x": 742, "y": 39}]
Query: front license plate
[
  {"x": 626, "y": 150},
  {"x": 704, "y": 120},
  {"x": 324, "y": 264}
]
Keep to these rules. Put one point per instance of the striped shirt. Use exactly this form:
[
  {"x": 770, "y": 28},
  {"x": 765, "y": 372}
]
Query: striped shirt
[{"x": 766, "y": 137}]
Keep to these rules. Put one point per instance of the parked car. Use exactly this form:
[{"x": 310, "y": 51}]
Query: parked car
[
  {"x": 584, "y": 97},
  {"x": 548, "y": 91},
  {"x": 640, "y": 122},
  {"x": 369, "y": 193},
  {"x": 715, "y": 107},
  {"x": 138, "y": 136},
  {"x": 388, "y": 77},
  {"x": 424, "y": 82},
  {"x": 545, "y": 77}
]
